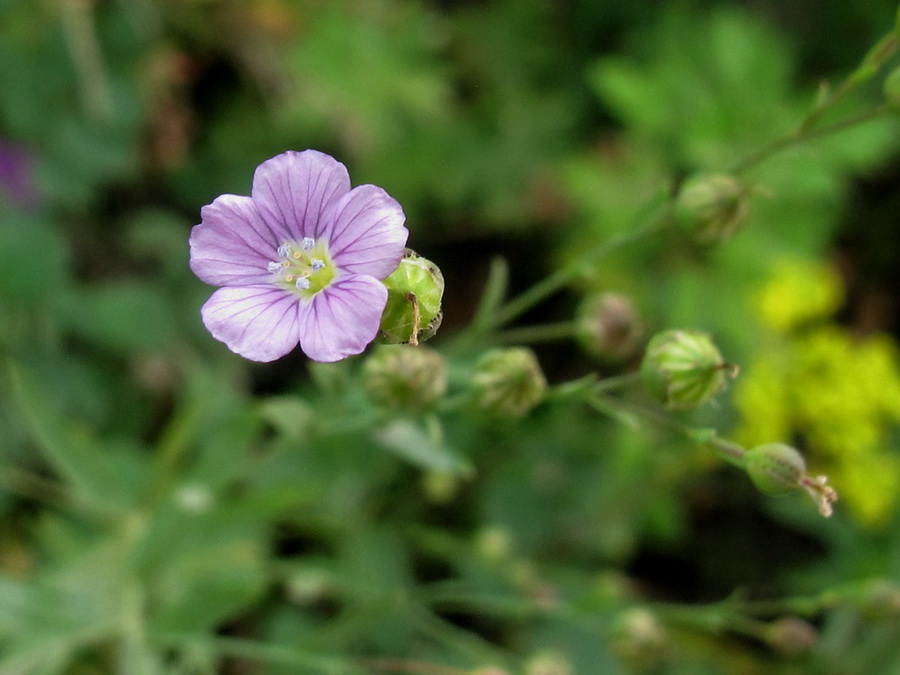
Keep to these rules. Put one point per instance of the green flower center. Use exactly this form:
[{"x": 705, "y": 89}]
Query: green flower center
[{"x": 303, "y": 268}]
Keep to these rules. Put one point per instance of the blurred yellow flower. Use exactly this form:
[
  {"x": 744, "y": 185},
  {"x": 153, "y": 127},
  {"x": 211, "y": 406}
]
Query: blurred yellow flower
[
  {"x": 839, "y": 393},
  {"x": 799, "y": 291}
]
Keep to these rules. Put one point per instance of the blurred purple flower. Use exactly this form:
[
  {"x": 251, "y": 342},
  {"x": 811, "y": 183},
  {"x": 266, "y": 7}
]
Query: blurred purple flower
[
  {"x": 16, "y": 179},
  {"x": 299, "y": 261}
]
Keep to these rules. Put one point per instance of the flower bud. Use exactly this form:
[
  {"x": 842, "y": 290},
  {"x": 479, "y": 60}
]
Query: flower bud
[
  {"x": 413, "y": 310},
  {"x": 640, "y": 640},
  {"x": 879, "y": 599},
  {"x": 712, "y": 207},
  {"x": 683, "y": 369},
  {"x": 547, "y": 663},
  {"x": 891, "y": 89},
  {"x": 508, "y": 382},
  {"x": 440, "y": 487},
  {"x": 790, "y": 636},
  {"x": 403, "y": 376},
  {"x": 608, "y": 326},
  {"x": 493, "y": 543},
  {"x": 775, "y": 468}
]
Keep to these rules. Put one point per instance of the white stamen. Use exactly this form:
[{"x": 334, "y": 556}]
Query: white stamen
[
  {"x": 307, "y": 243},
  {"x": 284, "y": 250},
  {"x": 274, "y": 267},
  {"x": 302, "y": 283},
  {"x": 317, "y": 264}
]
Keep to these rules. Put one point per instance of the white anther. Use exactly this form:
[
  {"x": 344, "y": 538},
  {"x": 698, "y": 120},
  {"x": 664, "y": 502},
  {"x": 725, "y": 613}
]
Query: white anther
[
  {"x": 284, "y": 250},
  {"x": 302, "y": 283},
  {"x": 317, "y": 264},
  {"x": 274, "y": 267},
  {"x": 307, "y": 243}
]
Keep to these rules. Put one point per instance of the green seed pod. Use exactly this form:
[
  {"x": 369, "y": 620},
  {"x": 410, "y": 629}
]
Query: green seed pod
[
  {"x": 403, "y": 376},
  {"x": 775, "y": 468},
  {"x": 413, "y": 310},
  {"x": 608, "y": 326},
  {"x": 508, "y": 382},
  {"x": 891, "y": 89},
  {"x": 683, "y": 369},
  {"x": 712, "y": 207}
]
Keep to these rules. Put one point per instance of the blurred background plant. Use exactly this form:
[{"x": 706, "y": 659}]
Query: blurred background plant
[{"x": 167, "y": 507}]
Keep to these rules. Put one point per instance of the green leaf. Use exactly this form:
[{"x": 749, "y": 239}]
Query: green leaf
[
  {"x": 410, "y": 441},
  {"x": 126, "y": 315},
  {"x": 100, "y": 474}
]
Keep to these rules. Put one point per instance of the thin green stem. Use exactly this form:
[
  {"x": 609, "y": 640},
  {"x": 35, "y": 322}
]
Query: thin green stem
[
  {"x": 550, "y": 332},
  {"x": 492, "y": 297},
  {"x": 803, "y": 135},
  {"x": 617, "y": 382},
  {"x": 87, "y": 58},
  {"x": 727, "y": 450},
  {"x": 650, "y": 220}
]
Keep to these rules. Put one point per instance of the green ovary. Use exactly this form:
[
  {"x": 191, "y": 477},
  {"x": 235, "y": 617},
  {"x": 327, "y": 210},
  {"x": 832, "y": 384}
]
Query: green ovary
[{"x": 304, "y": 268}]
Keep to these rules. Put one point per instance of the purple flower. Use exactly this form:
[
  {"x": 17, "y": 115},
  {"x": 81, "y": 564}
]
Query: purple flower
[{"x": 299, "y": 261}]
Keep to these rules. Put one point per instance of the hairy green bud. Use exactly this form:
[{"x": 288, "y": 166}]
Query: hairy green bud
[
  {"x": 778, "y": 469},
  {"x": 508, "y": 382},
  {"x": 683, "y": 369},
  {"x": 403, "y": 376},
  {"x": 712, "y": 207},
  {"x": 413, "y": 310},
  {"x": 775, "y": 468}
]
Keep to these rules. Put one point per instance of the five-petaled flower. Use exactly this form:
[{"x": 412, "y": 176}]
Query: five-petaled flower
[{"x": 299, "y": 261}]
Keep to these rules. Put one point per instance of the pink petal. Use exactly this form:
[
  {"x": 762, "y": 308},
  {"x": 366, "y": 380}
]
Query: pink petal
[
  {"x": 366, "y": 234},
  {"x": 343, "y": 318},
  {"x": 293, "y": 189},
  {"x": 232, "y": 245},
  {"x": 259, "y": 323}
]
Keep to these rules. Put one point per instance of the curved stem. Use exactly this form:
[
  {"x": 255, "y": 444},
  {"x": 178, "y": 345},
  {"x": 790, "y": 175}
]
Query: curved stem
[
  {"x": 803, "y": 135},
  {"x": 550, "y": 332},
  {"x": 729, "y": 451},
  {"x": 651, "y": 219}
]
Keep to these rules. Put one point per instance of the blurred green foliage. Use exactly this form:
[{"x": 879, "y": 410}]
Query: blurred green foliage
[{"x": 169, "y": 508}]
